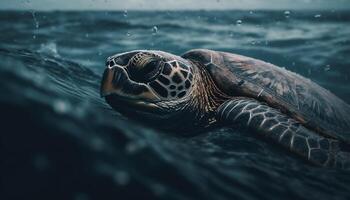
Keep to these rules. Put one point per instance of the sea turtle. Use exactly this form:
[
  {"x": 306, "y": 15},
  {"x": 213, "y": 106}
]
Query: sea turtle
[{"x": 203, "y": 88}]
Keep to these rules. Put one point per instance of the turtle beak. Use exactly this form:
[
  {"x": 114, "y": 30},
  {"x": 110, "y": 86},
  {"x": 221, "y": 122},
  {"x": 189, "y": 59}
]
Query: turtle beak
[
  {"x": 106, "y": 83},
  {"x": 116, "y": 81}
]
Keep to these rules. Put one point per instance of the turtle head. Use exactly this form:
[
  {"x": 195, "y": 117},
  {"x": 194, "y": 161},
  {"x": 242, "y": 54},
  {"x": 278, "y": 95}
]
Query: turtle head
[{"x": 153, "y": 85}]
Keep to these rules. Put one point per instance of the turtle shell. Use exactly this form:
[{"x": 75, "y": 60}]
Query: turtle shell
[{"x": 310, "y": 104}]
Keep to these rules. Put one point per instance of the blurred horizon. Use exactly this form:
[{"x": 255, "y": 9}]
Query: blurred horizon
[
  {"x": 174, "y": 10},
  {"x": 158, "y": 5}
]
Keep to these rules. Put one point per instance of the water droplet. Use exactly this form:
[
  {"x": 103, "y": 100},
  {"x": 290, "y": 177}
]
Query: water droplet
[
  {"x": 287, "y": 13},
  {"x": 34, "y": 37},
  {"x": 154, "y": 30},
  {"x": 99, "y": 53},
  {"x": 128, "y": 34},
  {"x": 318, "y": 16},
  {"x": 239, "y": 22},
  {"x": 125, "y": 14},
  {"x": 134, "y": 147},
  {"x": 251, "y": 12},
  {"x": 61, "y": 106},
  {"x": 36, "y": 23},
  {"x": 97, "y": 144},
  {"x": 327, "y": 68},
  {"x": 253, "y": 42},
  {"x": 121, "y": 177},
  {"x": 86, "y": 35}
]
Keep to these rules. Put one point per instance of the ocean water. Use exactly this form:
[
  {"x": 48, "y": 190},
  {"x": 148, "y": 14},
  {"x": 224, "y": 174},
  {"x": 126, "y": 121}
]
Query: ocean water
[{"x": 60, "y": 140}]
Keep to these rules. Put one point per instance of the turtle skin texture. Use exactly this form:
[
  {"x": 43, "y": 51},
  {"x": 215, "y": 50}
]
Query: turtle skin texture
[{"x": 279, "y": 128}]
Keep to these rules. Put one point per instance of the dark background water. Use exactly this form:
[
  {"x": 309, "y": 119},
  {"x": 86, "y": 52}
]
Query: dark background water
[{"x": 60, "y": 140}]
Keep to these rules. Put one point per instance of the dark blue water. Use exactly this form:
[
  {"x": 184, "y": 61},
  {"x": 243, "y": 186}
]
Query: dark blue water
[{"x": 60, "y": 140}]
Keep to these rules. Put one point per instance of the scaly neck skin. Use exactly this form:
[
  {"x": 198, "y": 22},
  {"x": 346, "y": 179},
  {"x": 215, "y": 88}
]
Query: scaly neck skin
[{"x": 206, "y": 96}]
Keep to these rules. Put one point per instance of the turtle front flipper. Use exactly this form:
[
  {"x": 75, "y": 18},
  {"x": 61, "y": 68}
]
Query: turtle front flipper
[{"x": 273, "y": 124}]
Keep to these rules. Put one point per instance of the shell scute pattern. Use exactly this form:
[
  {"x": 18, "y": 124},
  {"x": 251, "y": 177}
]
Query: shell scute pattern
[
  {"x": 299, "y": 97},
  {"x": 306, "y": 101}
]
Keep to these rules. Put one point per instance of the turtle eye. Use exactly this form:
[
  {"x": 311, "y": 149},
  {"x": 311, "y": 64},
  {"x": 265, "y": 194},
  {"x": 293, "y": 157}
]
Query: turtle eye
[
  {"x": 151, "y": 67},
  {"x": 146, "y": 72}
]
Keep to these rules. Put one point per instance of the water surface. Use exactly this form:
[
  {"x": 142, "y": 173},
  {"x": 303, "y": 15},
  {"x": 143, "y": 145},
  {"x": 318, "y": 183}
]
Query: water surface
[{"x": 60, "y": 140}]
